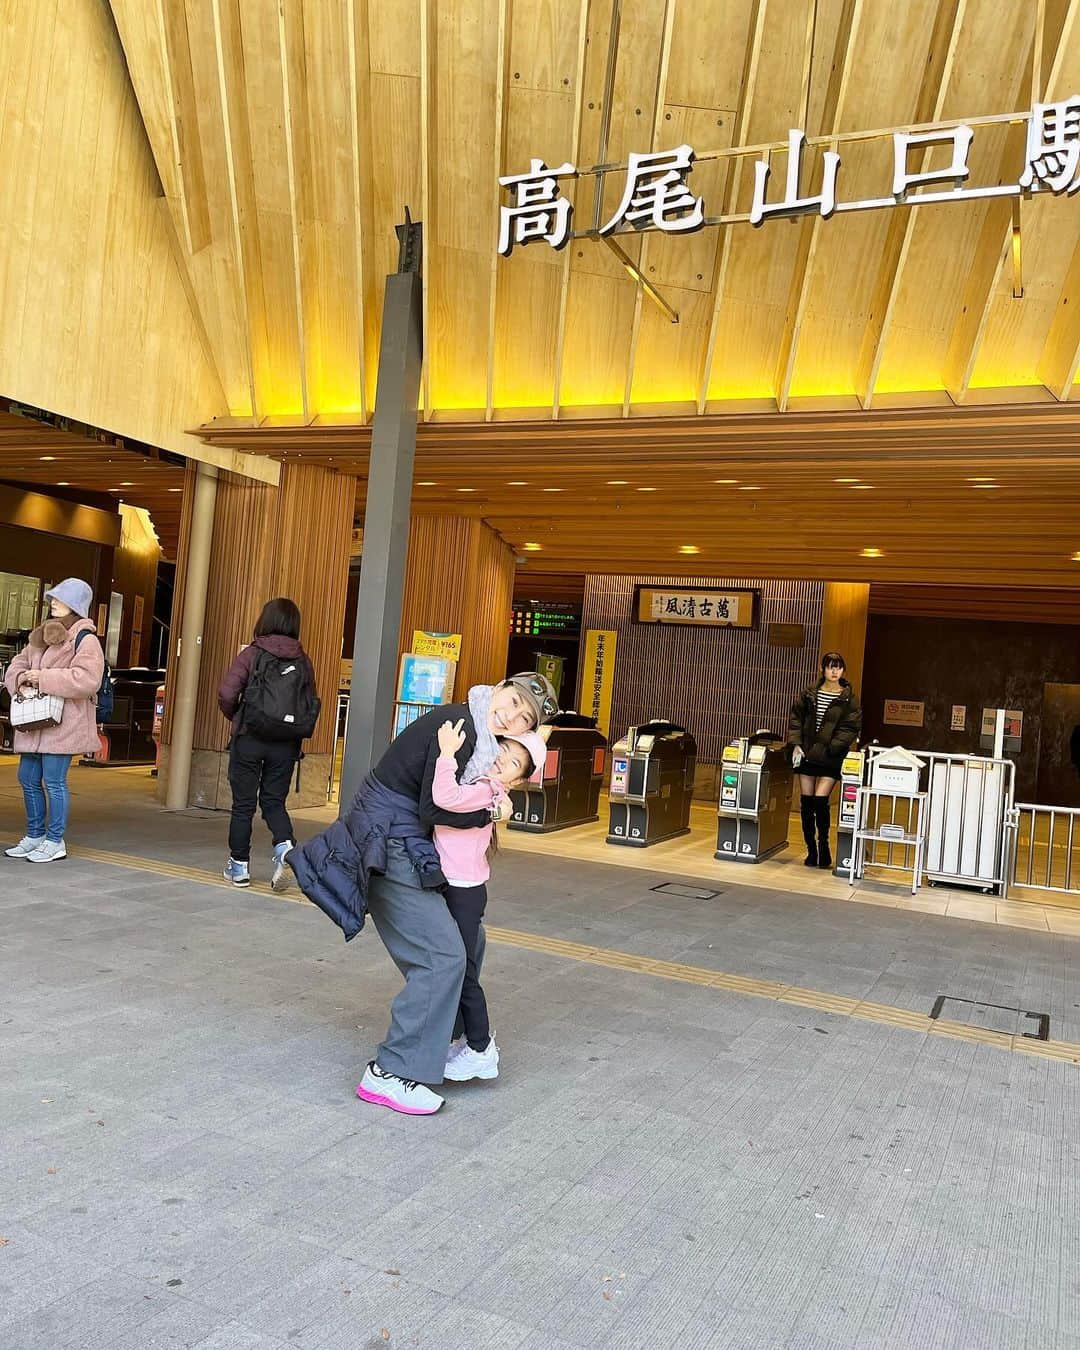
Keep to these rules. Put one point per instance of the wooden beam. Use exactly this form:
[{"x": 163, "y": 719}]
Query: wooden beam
[
  {"x": 360, "y": 148},
  {"x": 733, "y": 180},
  {"x": 935, "y": 84},
  {"x": 810, "y": 228},
  {"x": 502, "y": 91},
  {"x": 285, "y": 9},
  {"x": 564, "y": 285},
  {"x": 996, "y": 237},
  {"x": 234, "y": 204},
  {"x": 429, "y": 21},
  {"x": 654, "y": 143}
]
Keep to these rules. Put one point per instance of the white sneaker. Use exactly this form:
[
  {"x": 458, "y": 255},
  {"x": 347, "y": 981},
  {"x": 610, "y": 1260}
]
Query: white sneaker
[
  {"x": 24, "y": 847},
  {"x": 48, "y": 851},
  {"x": 399, "y": 1094},
  {"x": 474, "y": 1064}
]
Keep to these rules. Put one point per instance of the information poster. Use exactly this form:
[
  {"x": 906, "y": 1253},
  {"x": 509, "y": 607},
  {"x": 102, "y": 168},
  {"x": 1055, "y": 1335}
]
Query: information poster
[
  {"x": 903, "y": 712},
  {"x": 598, "y": 676},
  {"x": 447, "y": 645},
  {"x": 551, "y": 667},
  {"x": 958, "y": 719}
]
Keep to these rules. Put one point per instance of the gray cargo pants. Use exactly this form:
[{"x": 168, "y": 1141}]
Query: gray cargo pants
[{"x": 423, "y": 940}]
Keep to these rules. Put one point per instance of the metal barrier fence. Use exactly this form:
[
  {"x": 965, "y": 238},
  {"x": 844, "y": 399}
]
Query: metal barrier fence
[{"x": 1047, "y": 848}]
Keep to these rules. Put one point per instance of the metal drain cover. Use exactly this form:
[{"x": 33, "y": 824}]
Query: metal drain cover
[
  {"x": 991, "y": 1016},
  {"x": 686, "y": 892}
]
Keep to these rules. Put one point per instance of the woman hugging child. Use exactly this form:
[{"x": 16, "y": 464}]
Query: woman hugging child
[{"x": 464, "y": 856}]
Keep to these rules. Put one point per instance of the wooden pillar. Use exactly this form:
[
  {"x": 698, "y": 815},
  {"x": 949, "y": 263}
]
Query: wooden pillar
[
  {"x": 460, "y": 579},
  {"x": 843, "y": 625},
  {"x": 293, "y": 540}
]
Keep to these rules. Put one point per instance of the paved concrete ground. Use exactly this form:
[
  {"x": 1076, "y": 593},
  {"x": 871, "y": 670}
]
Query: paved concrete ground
[{"x": 184, "y": 1163}]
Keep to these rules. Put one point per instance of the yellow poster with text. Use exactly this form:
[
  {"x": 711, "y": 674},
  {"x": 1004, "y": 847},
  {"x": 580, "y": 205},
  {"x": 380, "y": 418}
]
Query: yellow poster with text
[
  {"x": 598, "y": 675},
  {"x": 447, "y": 645}
]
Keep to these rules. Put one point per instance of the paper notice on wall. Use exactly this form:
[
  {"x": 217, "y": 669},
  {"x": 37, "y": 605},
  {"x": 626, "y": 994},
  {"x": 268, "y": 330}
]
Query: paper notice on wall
[{"x": 958, "y": 718}]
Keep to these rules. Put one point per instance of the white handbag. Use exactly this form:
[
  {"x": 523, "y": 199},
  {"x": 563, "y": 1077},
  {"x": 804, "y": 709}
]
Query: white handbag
[{"x": 35, "y": 712}]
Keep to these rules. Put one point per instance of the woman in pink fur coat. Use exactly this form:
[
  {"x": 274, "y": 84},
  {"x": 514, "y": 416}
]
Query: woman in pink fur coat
[{"x": 50, "y": 664}]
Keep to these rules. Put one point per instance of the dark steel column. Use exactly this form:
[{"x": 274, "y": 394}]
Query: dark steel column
[{"x": 386, "y": 518}]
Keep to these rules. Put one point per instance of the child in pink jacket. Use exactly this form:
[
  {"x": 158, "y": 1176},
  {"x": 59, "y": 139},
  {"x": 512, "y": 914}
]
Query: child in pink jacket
[{"x": 464, "y": 858}]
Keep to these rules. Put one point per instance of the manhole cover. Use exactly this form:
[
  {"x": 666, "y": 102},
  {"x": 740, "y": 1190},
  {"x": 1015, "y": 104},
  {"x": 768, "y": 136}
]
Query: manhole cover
[
  {"x": 687, "y": 892},
  {"x": 992, "y": 1016}
]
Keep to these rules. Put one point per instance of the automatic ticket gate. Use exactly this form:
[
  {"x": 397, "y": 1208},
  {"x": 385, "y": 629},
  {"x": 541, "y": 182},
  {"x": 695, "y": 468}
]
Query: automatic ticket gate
[
  {"x": 755, "y": 798},
  {"x": 652, "y": 782},
  {"x": 847, "y": 817},
  {"x": 565, "y": 790}
]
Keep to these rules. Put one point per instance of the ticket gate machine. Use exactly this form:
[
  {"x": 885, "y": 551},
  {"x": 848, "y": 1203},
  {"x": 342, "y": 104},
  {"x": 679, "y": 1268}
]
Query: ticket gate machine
[
  {"x": 566, "y": 789},
  {"x": 851, "y": 779},
  {"x": 755, "y": 798},
  {"x": 652, "y": 782}
]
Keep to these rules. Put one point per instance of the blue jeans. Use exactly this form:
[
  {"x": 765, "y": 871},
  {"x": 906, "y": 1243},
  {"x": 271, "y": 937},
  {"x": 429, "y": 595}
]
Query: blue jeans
[{"x": 52, "y": 770}]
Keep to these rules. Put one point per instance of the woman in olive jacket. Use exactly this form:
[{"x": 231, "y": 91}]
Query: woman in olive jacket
[{"x": 825, "y": 723}]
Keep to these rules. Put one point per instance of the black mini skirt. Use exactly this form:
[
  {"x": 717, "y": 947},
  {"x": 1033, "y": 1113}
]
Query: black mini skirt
[{"x": 824, "y": 767}]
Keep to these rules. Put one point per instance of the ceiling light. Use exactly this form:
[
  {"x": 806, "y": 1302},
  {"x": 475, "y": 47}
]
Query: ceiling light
[
  {"x": 176, "y": 489},
  {"x": 985, "y": 485},
  {"x": 551, "y": 489},
  {"x": 127, "y": 484},
  {"x": 689, "y": 548},
  {"x": 982, "y": 480},
  {"x": 64, "y": 484},
  {"x": 749, "y": 488},
  {"x": 725, "y": 480},
  {"x": 532, "y": 548},
  {"x": 862, "y": 487},
  {"x": 46, "y": 458},
  {"x": 518, "y": 482},
  {"x": 1075, "y": 557},
  {"x": 427, "y": 482},
  {"x": 618, "y": 482},
  {"x": 466, "y": 489},
  {"x": 646, "y": 489},
  {"x": 845, "y": 480},
  {"x": 870, "y": 553}
]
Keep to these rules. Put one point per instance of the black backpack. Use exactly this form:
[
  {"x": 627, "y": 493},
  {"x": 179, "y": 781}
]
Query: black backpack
[
  {"x": 279, "y": 699},
  {"x": 106, "y": 694}
]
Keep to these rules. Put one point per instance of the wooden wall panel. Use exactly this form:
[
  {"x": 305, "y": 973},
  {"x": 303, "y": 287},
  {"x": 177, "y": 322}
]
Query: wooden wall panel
[
  {"x": 460, "y": 579},
  {"x": 995, "y": 603},
  {"x": 843, "y": 624},
  {"x": 717, "y": 684},
  {"x": 94, "y": 318}
]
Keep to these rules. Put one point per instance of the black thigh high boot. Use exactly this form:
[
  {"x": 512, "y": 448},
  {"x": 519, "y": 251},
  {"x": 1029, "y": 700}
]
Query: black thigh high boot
[
  {"x": 809, "y": 819},
  {"x": 821, "y": 807}
]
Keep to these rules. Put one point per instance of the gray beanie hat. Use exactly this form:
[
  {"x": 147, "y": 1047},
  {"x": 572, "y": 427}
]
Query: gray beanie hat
[{"x": 74, "y": 593}]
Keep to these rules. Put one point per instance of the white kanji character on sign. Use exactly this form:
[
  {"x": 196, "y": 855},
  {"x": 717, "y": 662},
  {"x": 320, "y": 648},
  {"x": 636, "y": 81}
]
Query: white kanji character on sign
[
  {"x": 656, "y": 193},
  {"x": 793, "y": 204},
  {"x": 1053, "y": 146},
  {"x": 955, "y": 171},
  {"x": 541, "y": 211}
]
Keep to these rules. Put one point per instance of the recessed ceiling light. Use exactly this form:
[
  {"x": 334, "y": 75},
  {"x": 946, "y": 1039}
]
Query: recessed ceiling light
[
  {"x": 985, "y": 485},
  {"x": 466, "y": 489},
  {"x": 689, "y": 548},
  {"x": 871, "y": 553},
  {"x": 518, "y": 482},
  {"x": 1076, "y": 557},
  {"x": 982, "y": 480},
  {"x": 45, "y": 459},
  {"x": 862, "y": 487},
  {"x": 845, "y": 480},
  {"x": 127, "y": 484},
  {"x": 63, "y": 484},
  {"x": 618, "y": 482},
  {"x": 749, "y": 487},
  {"x": 532, "y": 548},
  {"x": 176, "y": 489},
  {"x": 427, "y": 482},
  {"x": 551, "y": 489},
  {"x": 646, "y": 489},
  {"x": 725, "y": 480}
]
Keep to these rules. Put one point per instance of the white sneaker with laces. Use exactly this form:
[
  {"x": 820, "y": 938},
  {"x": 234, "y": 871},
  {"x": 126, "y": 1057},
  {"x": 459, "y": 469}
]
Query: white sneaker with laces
[
  {"x": 48, "y": 851},
  {"x": 399, "y": 1094},
  {"x": 474, "y": 1064},
  {"x": 24, "y": 847}
]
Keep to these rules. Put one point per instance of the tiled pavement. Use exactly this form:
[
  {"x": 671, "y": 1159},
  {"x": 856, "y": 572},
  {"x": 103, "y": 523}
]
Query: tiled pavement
[{"x": 184, "y": 1164}]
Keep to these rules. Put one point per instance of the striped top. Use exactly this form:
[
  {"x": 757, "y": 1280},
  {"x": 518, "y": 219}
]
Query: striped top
[{"x": 823, "y": 699}]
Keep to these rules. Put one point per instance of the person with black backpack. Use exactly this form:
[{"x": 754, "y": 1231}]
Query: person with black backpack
[{"x": 269, "y": 696}]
